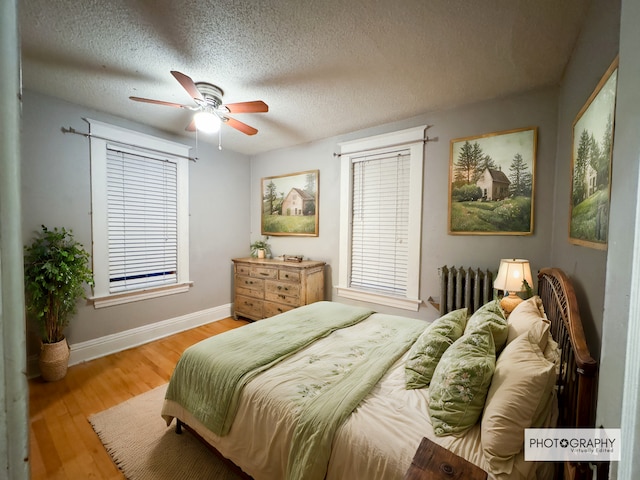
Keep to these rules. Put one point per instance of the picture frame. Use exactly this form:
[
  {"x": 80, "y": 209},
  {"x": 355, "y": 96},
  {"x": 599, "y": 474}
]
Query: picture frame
[
  {"x": 592, "y": 147},
  {"x": 289, "y": 204},
  {"x": 492, "y": 183}
]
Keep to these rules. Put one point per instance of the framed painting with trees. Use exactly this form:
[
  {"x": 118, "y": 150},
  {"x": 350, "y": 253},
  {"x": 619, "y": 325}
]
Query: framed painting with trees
[
  {"x": 591, "y": 164},
  {"x": 290, "y": 204},
  {"x": 491, "y": 183}
]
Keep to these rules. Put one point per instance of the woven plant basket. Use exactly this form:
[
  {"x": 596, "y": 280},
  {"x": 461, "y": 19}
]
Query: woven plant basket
[{"x": 54, "y": 360}]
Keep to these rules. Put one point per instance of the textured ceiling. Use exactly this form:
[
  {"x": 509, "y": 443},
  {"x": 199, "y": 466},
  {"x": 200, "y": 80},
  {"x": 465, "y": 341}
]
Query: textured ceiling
[{"x": 323, "y": 67}]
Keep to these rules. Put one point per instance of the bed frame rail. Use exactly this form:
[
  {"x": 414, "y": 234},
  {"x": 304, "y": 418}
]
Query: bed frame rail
[{"x": 577, "y": 378}]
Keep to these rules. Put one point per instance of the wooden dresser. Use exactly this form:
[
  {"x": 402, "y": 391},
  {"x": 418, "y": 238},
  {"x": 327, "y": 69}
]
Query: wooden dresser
[{"x": 264, "y": 287}]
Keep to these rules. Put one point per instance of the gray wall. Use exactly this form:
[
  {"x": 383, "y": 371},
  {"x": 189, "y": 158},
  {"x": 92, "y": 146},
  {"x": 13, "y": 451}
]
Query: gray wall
[
  {"x": 533, "y": 109},
  {"x": 597, "y": 47},
  {"x": 56, "y": 192},
  {"x": 603, "y": 278},
  {"x": 624, "y": 201}
]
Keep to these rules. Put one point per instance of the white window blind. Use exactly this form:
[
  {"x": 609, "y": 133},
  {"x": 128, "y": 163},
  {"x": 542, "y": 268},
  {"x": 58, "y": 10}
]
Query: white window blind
[
  {"x": 380, "y": 218},
  {"x": 139, "y": 215},
  {"x": 142, "y": 220},
  {"x": 380, "y": 224}
]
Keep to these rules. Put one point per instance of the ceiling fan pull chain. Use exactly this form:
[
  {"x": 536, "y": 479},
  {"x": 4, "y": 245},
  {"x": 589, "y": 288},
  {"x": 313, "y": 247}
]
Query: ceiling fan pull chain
[
  {"x": 220, "y": 139},
  {"x": 197, "y": 154}
]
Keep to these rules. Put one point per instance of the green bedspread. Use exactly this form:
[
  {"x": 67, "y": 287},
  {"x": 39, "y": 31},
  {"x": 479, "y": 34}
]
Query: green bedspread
[
  {"x": 327, "y": 382},
  {"x": 330, "y": 397},
  {"x": 208, "y": 384}
]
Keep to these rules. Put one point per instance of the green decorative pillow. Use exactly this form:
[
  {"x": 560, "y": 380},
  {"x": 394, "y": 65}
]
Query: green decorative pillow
[
  {"x": 425, "y": 353},
  {"x": 461, "y": 381},
  {"x": 491, "y": 314}
]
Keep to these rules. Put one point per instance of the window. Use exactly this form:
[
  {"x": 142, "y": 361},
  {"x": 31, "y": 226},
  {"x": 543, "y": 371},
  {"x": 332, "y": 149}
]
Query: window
[
  {"x": 380, "y": 218},
  {"x": 140, "y": 214}
]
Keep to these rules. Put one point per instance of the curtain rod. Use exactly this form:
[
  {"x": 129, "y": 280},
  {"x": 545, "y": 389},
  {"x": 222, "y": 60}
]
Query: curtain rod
[
  {"x": 89, "y": 135},
  {"x": 424, "y": 140}
]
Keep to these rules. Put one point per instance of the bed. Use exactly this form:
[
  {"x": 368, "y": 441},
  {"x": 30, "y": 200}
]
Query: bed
[{"x": 334, "y": 391}]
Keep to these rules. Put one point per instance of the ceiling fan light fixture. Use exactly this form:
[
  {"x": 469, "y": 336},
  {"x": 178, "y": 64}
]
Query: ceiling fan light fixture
[
  {"x": 211, "y": 111},
  {"x": 207, "y": 122}
]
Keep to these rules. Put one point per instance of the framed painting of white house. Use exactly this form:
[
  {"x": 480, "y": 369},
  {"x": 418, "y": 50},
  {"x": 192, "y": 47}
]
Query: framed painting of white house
[
  {"x": 290, "y": 204},
  {"x": 492, "y": 183},
  {"x": 591, "y": 165}
]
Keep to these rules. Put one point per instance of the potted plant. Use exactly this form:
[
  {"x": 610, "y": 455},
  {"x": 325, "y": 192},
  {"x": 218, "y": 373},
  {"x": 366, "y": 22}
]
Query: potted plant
[
  {"x": 260, "y": 248},
  {"x": 56, "y": 267}
]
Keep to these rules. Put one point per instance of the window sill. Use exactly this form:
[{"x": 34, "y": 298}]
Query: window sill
[
  {"x": 137, "y": 295},
  {"x": 380, "y": 299}
]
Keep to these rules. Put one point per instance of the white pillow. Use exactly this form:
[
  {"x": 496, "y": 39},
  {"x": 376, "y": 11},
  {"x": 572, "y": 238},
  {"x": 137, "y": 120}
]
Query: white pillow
[
  {"x": 520, "y": 397},
  {"x": 526, "y": 314}
]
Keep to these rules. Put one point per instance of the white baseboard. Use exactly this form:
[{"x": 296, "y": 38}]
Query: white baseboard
[{"x": 99, "y": 347}]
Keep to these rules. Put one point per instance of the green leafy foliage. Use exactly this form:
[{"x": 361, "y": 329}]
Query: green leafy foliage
[
  {"x": 510, "y": 215},
  {"x": 56, "y": 267},
  {"x": 466, "y": 193},
  {"x": 590, "y": 218},
  {"x": 260, "y": 245},
  {"x": 289, "y": 223}
]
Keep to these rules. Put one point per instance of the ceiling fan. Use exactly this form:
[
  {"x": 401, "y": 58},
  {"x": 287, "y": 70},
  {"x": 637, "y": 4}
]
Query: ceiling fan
[{"x": 211, "y": 112}]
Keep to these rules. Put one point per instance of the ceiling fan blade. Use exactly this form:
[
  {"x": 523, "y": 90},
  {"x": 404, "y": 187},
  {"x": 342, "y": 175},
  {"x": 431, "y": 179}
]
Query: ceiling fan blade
[
  {"x": 188, "y": 85},
  {"x": 192, "y": 126},
  {"x": 257, "y": 106},
  {"x": 242, "y": 127},
  {"x": 159, "y": 102}
]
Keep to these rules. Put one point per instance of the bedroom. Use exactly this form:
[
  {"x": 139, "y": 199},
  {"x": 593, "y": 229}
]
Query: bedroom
[{"x": 551, "y": 109}]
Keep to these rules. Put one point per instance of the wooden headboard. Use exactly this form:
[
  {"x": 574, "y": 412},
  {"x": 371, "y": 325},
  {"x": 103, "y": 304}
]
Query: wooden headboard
[{"x": 577, "y": 379}]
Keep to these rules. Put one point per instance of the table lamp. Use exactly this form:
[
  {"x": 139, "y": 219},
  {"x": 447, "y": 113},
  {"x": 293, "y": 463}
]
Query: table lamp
[{"x": 512, "y": 274}]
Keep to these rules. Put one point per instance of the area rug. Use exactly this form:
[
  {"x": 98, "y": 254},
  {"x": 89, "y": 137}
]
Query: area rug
[{"x": 144, "y": 448}]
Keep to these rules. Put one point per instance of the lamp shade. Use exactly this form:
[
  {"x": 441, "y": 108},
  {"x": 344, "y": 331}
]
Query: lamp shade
[
  {"x": 207, "y": 122},
  {"x": 511, "y": 275}
]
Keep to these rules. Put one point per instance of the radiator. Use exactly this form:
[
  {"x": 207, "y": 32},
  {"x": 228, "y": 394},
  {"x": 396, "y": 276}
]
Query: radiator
[{"x": 460, "y": 288}]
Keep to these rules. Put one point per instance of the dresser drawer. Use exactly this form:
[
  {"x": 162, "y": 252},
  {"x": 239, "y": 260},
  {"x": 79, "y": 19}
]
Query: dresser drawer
[
  {"x": 242, "y": 269},
  {"x": 247, "y": 292},
  {"x": 293, "y": 300},
  {"x": 249, "y": 307},
  {"x": 264, "y": 272},
  {"x": 289, "y": 275},
  {"x": 250, "y": 283},
  {"x": 290, "y": 289},
  {"x": 271, "y": 309}
]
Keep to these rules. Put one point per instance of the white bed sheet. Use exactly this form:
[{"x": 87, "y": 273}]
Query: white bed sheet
[{"x": 377, "y": 442}]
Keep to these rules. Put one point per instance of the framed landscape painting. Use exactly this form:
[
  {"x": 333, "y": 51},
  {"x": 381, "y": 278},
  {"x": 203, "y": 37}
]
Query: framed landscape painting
[
  {"x": 491, "y": 183},
  {"x": 290, "y": 204},
  {"x": 591, "y": 165}
]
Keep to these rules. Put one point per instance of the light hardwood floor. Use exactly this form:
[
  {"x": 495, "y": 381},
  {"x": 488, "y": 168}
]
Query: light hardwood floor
[{"x": 63, "y": 445}]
